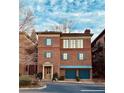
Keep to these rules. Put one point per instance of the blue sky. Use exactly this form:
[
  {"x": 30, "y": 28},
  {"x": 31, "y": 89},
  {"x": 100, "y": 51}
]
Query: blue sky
[{"x": 81, "y": 13}]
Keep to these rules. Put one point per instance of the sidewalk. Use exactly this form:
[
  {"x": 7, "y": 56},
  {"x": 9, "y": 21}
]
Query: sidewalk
[
  {"x": 99, "y": 82},
  {"x": 33, "y": 88},
  {"x": 82, "y": 82}
]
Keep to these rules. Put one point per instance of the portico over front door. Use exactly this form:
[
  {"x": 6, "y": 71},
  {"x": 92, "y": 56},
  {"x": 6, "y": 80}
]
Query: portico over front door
[{"x": 47, "y": 70}]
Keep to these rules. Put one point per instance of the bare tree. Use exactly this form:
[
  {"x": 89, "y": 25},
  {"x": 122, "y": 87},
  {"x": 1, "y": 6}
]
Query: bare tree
[
  {"x": 65, "y": 27},
  {"x": 28, "y": 53},
  {"x": 26, "y": 23}
]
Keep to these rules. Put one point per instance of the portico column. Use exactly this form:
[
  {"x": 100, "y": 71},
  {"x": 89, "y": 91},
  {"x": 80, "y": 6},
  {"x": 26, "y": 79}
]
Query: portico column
[{"x": 43, "y": 72}]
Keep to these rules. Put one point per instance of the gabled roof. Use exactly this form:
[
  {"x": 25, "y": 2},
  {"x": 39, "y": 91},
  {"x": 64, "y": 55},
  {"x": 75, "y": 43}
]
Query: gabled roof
[{"x": 100, "y": 35}]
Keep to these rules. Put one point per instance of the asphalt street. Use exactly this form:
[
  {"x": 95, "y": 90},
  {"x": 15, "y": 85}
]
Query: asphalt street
[{"x": 68, "y": 88}]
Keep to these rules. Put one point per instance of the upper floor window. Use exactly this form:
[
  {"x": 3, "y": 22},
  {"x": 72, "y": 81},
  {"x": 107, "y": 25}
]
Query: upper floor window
[
  {"x": 74, "y": 43},
  {"x": 80, "y": 43},
  {"x": 65, "y": 44},
  {"x": 65, "y": 56},
  {"x": 80, "y": 56},
  {"x": 48, "y": 54},
  {"x": 48, "y": 41}
]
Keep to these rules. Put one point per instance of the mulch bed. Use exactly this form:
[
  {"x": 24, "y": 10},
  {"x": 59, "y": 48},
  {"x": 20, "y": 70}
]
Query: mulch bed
[{"x": 39, "y": 84}]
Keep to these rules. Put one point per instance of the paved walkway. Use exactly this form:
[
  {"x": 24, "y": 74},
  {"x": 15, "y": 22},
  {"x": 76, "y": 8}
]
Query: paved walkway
[{"x": 80, "y": 82}]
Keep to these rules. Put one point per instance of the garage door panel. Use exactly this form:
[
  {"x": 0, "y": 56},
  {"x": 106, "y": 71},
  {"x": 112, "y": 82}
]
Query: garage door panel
[
  {"x": 70, "y": 74},
  {"x": 84, "y": 74}
]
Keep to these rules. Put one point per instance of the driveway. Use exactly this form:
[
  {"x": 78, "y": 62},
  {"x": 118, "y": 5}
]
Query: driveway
[{"x": 68, "y": 88}]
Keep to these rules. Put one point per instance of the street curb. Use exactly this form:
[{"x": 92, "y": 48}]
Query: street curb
[
  {"x": 80, "y": 83},
  {"x": 45, "y": 86}
]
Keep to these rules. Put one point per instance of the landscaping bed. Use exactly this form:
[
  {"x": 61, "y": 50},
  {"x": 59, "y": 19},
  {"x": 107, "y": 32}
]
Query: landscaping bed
[{"x": 26, "y": 81}]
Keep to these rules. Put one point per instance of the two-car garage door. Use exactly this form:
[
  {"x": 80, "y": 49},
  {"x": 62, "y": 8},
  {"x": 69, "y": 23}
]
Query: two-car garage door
[{"x": 83, "y": 73}]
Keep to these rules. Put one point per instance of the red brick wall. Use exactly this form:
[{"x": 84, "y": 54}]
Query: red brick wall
[
  {"x": 74, "y": 52},
  {"x": 54, "y": 48},
  {"x": 101, "y": 39},
  {"x": 73, "y": 60},
  {"x": 57, "y": 49}
]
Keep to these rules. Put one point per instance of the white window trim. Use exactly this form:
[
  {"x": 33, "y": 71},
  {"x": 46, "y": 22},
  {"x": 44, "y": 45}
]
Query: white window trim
[
  {"x": 73, "y": 43},
  {"x": 48, "y": 54},
  {"x": 48, "y": 43},
  {"x": 81, "y": 56},
  {"x": 65, "y": 56}
]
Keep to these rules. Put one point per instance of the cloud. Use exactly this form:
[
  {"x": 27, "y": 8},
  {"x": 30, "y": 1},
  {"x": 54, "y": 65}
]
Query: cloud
[{"x": 81, "y": 13}]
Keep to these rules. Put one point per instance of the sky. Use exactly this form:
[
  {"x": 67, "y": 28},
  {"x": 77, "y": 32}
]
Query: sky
[{"x": 79, "y": 14}]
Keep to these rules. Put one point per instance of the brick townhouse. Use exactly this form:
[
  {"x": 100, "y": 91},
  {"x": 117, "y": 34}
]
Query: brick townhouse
[
  {"x": 68, "y": 54},
  {"x": 98, "y": 56},
  {"x": 27, "y": 54}
]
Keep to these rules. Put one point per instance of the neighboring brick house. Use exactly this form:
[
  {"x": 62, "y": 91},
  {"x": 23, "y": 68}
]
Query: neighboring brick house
[
  {"x": 27, "y": 54},
  {"x": 98, "y": 54},
  {"x": 68, "y": 54}
]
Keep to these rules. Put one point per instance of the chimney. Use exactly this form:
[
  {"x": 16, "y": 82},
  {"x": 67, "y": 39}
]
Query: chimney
[{"x": 87, "y": 31}]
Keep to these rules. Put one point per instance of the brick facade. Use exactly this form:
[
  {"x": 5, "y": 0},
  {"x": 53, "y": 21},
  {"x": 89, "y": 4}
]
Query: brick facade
[
  {"x": 54, "y": 48},
  {"x": 98, "y": 52},
  {"x": 56, "y": 64}
]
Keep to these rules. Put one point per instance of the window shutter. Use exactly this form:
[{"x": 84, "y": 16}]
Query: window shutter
[
  {"x": 51, "y": 41},
  {"x": 78, "y": 56},
  {"x": 45, "y": 42},
  {"x": 68, "y": 56},
  {"x": 44, "y": 54},
  {"x": 84, "y": 56},
  {"x": 61, "y": 56}
]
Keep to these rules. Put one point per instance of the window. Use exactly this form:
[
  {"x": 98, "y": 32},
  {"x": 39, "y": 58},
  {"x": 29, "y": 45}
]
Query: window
[
  {"x": 80, "y": 43},
  {"x": 65, "y": 56},
  {"x": 65, "y": 44},
  {"x": 80, "y": 56},
  {"x": 48, "y": 54},
  {"x": 48, "y": 41},
  {"x": 73, "y": 43}
]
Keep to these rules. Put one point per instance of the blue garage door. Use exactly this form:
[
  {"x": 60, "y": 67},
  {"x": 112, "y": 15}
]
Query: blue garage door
[
  {"x": 84, "y": 74},
  {"x": 70, "y": 74}
]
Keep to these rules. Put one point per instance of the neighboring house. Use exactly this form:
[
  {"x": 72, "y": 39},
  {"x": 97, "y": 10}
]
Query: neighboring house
[
  {"x": 27, "y": 55},
  {"x": 98, "y": 54},
  {"x": 68, "y": 54}
]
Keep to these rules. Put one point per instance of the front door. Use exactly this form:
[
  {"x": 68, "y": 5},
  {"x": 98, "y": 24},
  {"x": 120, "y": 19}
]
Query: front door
[{"x": 47, "y": 72}]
